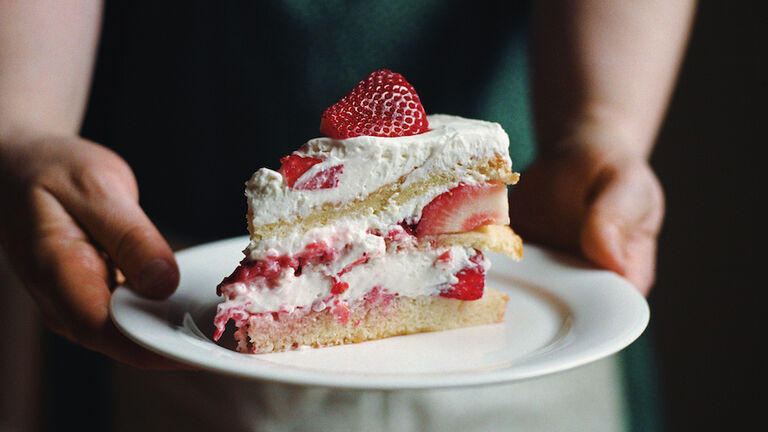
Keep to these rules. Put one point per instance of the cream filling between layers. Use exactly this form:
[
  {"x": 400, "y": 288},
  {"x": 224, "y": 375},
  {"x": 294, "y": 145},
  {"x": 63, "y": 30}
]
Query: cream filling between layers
[
  {"x": 352, "y": 234},
  {"x": 410, "y": 273}
]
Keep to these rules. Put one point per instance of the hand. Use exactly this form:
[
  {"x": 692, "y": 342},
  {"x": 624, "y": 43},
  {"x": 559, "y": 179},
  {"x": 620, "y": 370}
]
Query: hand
[
  {"x": 590, "y": 200},
  {"x": 70, "y": 217}
]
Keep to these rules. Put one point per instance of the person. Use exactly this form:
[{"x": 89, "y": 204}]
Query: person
[{"x": 602, "y": 74}]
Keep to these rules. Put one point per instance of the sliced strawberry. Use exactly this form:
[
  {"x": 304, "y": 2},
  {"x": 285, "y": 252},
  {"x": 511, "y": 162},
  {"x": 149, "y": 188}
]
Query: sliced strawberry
[
  {"x": 339, "y": 287},
  {"x": 294, "y": 166},
  {"x": 379, "y": 295},
  {"x": 444, "y": 260},
  {"x": 325, "y": 179},
  {"x": 317, "y": 253},
  {"x": 465, "y": 208},
  {"x": 400, "y": 237},
  {"x": 470, "y": 285},
  {"x": 383, "y": 104},
  {"x": 340, "y": 311},
  {"x": 471, "y": 281}
]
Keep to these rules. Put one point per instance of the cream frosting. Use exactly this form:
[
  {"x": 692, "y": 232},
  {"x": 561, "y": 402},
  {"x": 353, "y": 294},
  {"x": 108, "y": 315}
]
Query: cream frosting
[{"x": 410, "y": 273}]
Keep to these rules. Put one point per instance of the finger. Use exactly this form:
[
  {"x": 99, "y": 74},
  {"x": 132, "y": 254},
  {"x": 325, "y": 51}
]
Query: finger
[
  {"x": 623, "y": 222},
  {"x": 73, "y": 277},
  {"x": 29, "y": 224},
  {"x": 640, "y": 254},
  {"x": 106, "y": 206}
]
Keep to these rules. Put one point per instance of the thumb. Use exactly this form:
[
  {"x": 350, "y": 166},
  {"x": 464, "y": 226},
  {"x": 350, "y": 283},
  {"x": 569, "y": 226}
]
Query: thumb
[
  {"x": 111, "y": 215},
  {"x": 622, "y": 223},
  {"x": 137, "y": 248}
]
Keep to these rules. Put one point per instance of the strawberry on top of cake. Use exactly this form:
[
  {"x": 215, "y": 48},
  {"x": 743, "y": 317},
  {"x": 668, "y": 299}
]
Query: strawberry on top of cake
[{"x": 376, "y": 229}]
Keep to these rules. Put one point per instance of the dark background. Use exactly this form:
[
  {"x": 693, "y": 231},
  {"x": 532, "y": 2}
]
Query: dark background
[{"x": 707, "y": 306}]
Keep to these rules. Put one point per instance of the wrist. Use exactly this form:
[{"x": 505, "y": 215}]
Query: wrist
[
  {"x": 13, "y": 141},
  {"x": 599, "y": 133},
  {"x": 22, "y": 133}
]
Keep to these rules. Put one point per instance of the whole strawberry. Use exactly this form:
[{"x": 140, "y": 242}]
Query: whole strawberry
[{"x": 383, "y": 104}]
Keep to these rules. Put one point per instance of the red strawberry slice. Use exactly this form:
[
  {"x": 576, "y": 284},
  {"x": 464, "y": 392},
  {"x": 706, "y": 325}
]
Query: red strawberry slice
[
  {"x": 340, "y": 311},
  {"x": 294, "y": 166},
  {"x": 383, "y": 104},
  {"x": 465, "y": 208},
  {"x": 471, "y": 281},
  {"x": 444, "y": 260},
  {"x": 325, "y": 179},
  {"x": 470, "y": 285},
  {"x": 339, "y": 287}
]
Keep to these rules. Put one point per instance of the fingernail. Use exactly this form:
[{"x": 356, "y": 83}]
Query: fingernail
[
  {"x": 614, "y": 247},
  {"x": 157, "y": 279}
]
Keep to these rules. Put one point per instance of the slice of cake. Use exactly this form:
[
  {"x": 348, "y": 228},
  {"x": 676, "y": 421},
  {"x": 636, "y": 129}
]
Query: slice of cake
[{"x": 376, "y": 230}]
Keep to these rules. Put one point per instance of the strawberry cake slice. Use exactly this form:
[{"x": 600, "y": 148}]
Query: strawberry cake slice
[{"x": 375, "y": 230}]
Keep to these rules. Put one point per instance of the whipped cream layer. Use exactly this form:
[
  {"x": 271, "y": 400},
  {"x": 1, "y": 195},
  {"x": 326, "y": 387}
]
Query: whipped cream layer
[
  {"x": 409, "y": 273},
  {"x": 369, "y": 163},
  {"x": 353, "y": 236}
]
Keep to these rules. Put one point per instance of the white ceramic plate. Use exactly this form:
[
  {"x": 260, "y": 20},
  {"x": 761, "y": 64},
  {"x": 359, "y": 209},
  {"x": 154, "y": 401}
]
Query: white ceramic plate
[{"x": 561, "y": 314}]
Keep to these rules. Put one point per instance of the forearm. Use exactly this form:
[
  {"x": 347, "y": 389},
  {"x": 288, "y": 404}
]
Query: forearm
[
  {"x": 604, "y": 70},
  {"x": 47, "y": 50}
]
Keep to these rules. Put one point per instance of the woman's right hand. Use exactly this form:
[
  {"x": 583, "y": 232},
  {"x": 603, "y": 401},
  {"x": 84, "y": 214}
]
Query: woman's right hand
[{"x": 69, "y": 219}]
